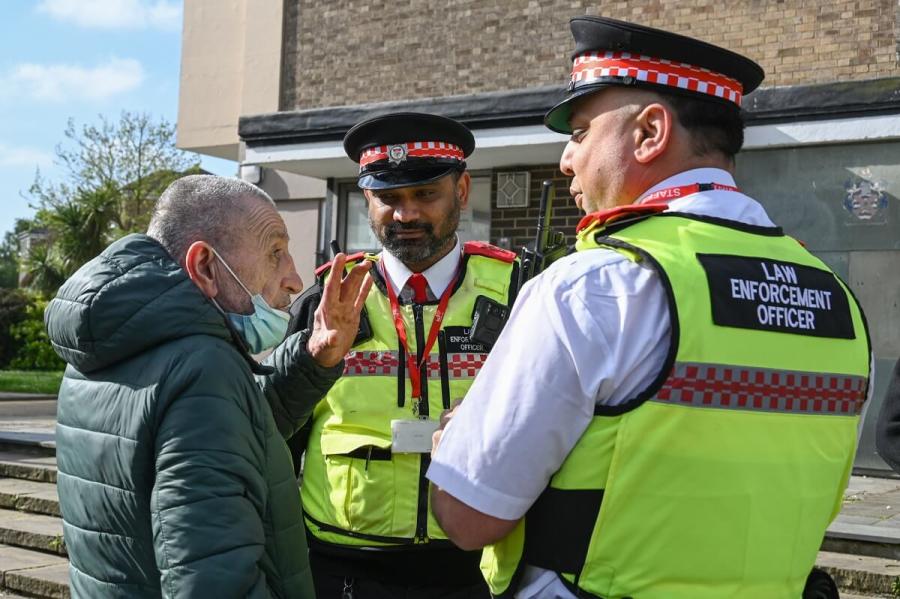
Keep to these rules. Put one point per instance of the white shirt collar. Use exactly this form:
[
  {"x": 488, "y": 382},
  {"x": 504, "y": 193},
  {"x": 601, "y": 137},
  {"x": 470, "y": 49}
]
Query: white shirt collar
[
  {"x": 439, "y": 275},
  {"x": 696, "y": 175},
  {"x": 725, "y": 204}
]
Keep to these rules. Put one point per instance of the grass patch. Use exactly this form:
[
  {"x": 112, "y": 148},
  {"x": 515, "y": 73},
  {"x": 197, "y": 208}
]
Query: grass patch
[{"x": 31, "y": 381}]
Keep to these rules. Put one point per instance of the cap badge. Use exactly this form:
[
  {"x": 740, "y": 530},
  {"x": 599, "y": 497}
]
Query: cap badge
[{"x": 397, "y": 153}]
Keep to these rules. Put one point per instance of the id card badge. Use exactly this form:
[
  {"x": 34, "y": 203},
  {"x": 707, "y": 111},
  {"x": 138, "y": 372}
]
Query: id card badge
[{"x": 412, "y": 436}]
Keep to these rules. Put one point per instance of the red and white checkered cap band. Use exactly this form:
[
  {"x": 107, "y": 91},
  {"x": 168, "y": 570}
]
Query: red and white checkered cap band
[
  {"x": 589, "y": 67},
  {"x": 415, "y": 149}
]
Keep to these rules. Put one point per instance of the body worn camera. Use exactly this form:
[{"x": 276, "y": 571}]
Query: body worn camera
[{"x": 488, "y": 319}]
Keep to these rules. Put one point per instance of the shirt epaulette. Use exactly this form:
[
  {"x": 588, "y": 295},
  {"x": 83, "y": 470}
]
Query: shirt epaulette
[
  {"x": 606, "y": 217},
  {"x": 481, "y": 248},
  {"x": 357, "y": 257}
]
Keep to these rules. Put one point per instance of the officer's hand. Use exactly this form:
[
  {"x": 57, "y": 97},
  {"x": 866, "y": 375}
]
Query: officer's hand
[
  {"x": 336, "y": 320},
  {"x": 446, "y": 415}
]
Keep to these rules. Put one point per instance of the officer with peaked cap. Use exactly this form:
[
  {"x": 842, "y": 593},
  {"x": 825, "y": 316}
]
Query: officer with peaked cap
[
  {"x": 671, "y": 411},
  {"x": 365, "y": 496}
]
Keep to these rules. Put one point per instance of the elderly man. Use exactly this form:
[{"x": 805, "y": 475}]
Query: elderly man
[
  {"x": 174, "y": 478},
  {"x": 682, "y": 422},
  {"x": 365, "y": 496}
]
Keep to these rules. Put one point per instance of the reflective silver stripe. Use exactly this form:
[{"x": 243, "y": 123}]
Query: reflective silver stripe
[
  {"x": 763, "y": 389},
  {"x": 386, "y": 363}
]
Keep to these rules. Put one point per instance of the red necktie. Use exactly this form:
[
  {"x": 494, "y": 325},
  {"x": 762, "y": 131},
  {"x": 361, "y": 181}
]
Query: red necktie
[{"x": 419, "y": 285}]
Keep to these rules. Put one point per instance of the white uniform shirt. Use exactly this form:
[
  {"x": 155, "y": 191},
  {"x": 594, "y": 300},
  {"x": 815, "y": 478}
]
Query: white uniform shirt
[
  {"x": 592, "y": 329},
  {"x": 439, "y": 275}
]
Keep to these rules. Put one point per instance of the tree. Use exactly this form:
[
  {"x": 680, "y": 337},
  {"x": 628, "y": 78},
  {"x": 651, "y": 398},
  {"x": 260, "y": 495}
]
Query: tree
[
  {"x": 133, "y": 160},
  {"x": 14, "y": 304},
  {"x": 42, "y": 270},
  {"x": 9, "y": 261},
  {"x": 9, "y": 254},
  {"x": 114, "y": 172}
]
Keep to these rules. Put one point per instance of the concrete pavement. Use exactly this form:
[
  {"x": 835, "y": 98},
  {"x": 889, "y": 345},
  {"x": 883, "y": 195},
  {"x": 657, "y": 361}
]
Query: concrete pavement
[
  {"x": 14, "y": 396},
  {"x": 28, "y": 421}
]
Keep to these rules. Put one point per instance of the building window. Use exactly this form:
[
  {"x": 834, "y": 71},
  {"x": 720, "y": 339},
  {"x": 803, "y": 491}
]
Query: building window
[
  {"x": 475, "y": 220},
  {"x": 512, "y": 189},
  {"x": 360, "y": 237}
]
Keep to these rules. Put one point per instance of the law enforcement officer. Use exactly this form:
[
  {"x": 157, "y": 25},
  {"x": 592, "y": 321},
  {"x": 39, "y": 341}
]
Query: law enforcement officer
[
  {"x": 683, "y": 421},
  {"x": 365, "y": 495}
]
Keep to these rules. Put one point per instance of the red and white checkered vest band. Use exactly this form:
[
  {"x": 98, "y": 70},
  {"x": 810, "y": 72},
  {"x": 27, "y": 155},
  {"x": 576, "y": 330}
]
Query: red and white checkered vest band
[
  {"x": 592, "y": 67},
  {"x": 398, "y": 153}
]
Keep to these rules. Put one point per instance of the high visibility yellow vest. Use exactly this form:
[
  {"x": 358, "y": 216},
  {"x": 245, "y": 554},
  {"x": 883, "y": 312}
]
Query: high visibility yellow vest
[
  {"x": 355, "y": 492},
  {"x": 720, "y": 479}
]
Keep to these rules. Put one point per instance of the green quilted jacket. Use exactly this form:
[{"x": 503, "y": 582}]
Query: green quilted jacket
[{"x": 174, "y": 478}]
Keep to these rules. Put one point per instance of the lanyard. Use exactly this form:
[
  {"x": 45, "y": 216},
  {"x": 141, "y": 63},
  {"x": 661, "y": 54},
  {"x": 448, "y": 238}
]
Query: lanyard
[
  {"x": 664, "y": 196},
  {"x": 415, "y": 374}
]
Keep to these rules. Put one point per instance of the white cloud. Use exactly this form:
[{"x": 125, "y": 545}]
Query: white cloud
[
  {"x": 62, "y": 82},
  {"x": 11, "y": 156},
  {"x": 115, "y": 14}
]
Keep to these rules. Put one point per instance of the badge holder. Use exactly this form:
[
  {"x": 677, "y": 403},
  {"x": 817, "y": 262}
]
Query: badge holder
[{"x": 412, "y": 436}]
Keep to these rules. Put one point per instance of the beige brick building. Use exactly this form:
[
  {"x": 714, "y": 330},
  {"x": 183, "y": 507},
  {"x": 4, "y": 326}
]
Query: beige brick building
[
  {"x": 477, "y": 46},
  {"x": 275, "y": 84}
]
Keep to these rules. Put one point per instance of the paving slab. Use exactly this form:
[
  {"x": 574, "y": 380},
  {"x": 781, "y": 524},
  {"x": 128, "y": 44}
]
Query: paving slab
[
  {"x": 860, "y": 574},
  {"x": 47, "y": 581},
  {"x": 28, "y": 465},
  {"x": 32, "y": 531},
  {"x": 40, "y": 438},
  {"x": 29, "y": 496},
  {"x": 869, "y": 521},
  {"x": 17, "y": 565},
  {"x": 17, "y": 558}
]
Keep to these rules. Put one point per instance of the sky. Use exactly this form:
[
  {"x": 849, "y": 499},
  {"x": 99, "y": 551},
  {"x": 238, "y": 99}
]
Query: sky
[{"x": 62, "y": 59}]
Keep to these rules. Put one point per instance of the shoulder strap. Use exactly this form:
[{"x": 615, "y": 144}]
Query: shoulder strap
[
  {"x": 481, "y": 248},
  {"x": 357, "y": 257}
]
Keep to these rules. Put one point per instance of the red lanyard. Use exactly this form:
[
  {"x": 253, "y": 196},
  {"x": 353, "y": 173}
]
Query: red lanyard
[
  {"x": 415, "y": 374},
  {"x": 664, "y": 196}
]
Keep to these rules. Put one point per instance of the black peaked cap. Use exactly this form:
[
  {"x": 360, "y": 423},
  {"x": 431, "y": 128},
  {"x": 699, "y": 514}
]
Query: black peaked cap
[
  {"x": 405, "y": 168},
  {"x": 600, "y": 34}
]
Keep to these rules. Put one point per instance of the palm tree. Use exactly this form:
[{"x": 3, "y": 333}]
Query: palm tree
[{"x": 42, "y": 271}]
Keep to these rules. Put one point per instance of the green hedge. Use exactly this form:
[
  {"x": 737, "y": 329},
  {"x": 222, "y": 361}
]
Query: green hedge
[{"x": 32, "y": 345}]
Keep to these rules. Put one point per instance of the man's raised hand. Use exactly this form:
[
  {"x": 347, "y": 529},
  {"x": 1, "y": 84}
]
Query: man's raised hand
[{"x": 336, "y": 320}]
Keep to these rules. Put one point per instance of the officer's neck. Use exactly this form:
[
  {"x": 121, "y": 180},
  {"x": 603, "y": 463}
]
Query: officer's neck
[{"x": 426, "y": 264}]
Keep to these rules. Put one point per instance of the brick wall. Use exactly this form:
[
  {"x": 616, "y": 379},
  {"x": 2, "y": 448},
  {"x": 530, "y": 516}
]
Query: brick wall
[
  {"x": 359, "y": 51},
  {"x": 519, "y": 225}
]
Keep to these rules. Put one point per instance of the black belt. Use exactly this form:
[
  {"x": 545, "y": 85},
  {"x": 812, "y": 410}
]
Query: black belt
[{"x": 370, "y": 452}]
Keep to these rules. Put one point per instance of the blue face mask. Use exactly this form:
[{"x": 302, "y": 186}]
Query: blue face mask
[{"x": 265, "y": 328}]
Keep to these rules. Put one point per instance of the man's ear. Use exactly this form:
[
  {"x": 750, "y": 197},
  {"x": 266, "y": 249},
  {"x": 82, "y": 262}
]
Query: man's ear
[
  {"x": 653, "y": 132},
  {"x": 463, "y": 184},
  {"x": 198, "y": 263}
]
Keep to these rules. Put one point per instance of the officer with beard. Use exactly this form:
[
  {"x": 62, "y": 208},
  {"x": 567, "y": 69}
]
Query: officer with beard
[{"x": 365, "y": 496}]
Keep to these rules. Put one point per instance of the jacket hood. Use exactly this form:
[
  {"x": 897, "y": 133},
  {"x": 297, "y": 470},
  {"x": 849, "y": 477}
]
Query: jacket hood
[{"x": 130, "y": 298}]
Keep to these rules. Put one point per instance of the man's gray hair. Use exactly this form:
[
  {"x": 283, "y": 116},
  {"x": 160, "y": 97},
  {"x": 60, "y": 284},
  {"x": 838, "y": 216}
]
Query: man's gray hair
[{"x": 201, "y": 208}]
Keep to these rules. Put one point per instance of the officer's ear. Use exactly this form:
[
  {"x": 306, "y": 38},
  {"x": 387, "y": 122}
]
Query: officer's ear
[
  {"x": 652, "y": 132},
  {"x": 198, "y": 263},
  {"x": 463, "y": 185}
]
